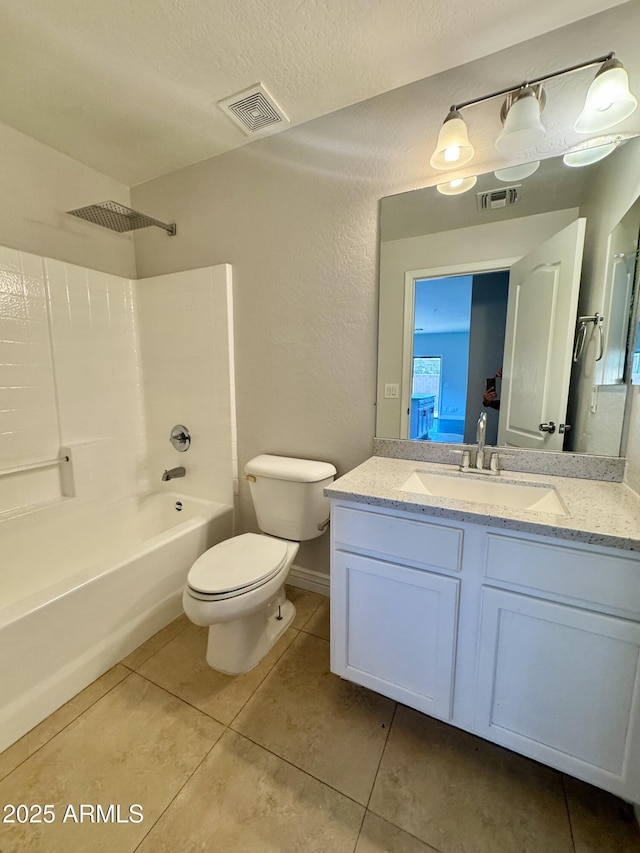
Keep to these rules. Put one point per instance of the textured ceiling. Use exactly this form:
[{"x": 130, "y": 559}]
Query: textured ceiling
[{"x": 130, "y": 88}]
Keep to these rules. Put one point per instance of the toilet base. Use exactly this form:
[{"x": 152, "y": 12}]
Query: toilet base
[{"x": 237, "y": 646}]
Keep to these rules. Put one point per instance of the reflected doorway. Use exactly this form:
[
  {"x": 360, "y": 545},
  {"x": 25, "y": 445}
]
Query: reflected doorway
[{"x": 456, "y": 339}]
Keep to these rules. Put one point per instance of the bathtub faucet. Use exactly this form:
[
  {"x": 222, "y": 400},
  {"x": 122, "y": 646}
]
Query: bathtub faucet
[{"x": 172, "y": 473}]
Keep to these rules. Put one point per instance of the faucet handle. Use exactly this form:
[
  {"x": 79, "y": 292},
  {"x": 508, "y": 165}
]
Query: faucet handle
[
  {"x": 465, "y": 462},
  {"x": 494, "y": 462}
]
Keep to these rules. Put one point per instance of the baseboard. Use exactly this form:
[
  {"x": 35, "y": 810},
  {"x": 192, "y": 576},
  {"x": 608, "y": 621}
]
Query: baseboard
[{"x": 309, "y": 579}]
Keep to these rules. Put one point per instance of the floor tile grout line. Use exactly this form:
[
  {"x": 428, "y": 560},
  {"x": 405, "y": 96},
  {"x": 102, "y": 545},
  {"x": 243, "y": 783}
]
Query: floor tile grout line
[
  {"x": 146, "y": 660},
  {"x": 64, "y": 728},
  {"x": 296, "y": 767},
  {"x": 267, "y": 675},
  {"x": 384, "y": 748},
  {"x": 181, "y": 699},
  {"x": 311, "y": 634},
  {"x": 430, "y": 847},
  {"x": 181, "y": 788},
  {"x": 364, "y": 817},
  {"x": 566, "y": 802},
  {"x": 311, "y": 615},
  {"x": 291, "y": 763},
  {"x": 199, "y": 710},
  {"x": 369, "y": 810}
]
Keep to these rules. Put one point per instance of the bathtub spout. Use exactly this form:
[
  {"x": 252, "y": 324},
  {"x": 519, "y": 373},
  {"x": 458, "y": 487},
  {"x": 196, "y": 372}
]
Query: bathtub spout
[{"x": 172, "y": 473}]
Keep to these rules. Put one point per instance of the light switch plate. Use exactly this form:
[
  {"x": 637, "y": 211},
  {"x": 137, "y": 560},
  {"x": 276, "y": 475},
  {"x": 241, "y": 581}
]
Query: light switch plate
[{"x": 392, "y": 391}]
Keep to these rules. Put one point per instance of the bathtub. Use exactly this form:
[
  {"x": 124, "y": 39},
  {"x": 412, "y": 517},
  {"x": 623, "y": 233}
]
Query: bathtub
[{"x": 82, "y": 584}]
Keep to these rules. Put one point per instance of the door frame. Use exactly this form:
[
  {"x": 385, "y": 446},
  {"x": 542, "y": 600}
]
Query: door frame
[{"x": 410, "y": 278}]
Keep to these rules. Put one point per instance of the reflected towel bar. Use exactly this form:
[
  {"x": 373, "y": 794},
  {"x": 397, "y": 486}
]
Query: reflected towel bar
[
  {"x": 48, "y": 463},
  {"x": 597, "y": 320}
]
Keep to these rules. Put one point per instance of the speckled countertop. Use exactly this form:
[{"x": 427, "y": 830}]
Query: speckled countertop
[{"x": 599, "y": 513}]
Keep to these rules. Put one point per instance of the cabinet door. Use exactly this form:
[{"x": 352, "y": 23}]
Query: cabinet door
[
  {"x": 394, "y": 629},
  {"x": 560, "y": 684}
]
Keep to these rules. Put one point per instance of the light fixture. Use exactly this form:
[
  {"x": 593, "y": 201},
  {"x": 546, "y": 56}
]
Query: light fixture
[
  {"x": 521, "y": 116},
  {"x": 591, "y": 152},
  {"x": 517, "y": 173},
  {"x": 608, "y": 100},
  {"x": 457, "y": 186},
  {"x": 453, "y": 148}
]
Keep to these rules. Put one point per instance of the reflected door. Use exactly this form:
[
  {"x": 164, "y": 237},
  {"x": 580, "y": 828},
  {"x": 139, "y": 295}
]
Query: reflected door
[{"x": 541, "y": 315}]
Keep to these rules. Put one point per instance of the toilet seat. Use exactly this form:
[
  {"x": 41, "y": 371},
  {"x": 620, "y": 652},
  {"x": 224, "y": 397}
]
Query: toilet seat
[{"x": 236, "y": 566}]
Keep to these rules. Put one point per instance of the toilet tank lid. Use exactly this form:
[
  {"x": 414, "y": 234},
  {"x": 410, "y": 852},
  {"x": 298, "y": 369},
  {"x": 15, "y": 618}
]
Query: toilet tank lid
[{"x": 288, "y": 468}]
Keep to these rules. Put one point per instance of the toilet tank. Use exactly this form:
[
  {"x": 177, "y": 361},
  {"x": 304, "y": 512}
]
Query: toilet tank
[{"x": 287, "y": 495}]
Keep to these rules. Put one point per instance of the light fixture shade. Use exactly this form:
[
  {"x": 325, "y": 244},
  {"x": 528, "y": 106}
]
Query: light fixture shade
[
  {"x": 589, "y": 155},
  {"x": 522, "y": 127},
  {"x": 517, "y": 173},
  {"x": 453, "y": 148},
  {"x": 608, "y": 100},
  {"x": 460, "y": 185}
]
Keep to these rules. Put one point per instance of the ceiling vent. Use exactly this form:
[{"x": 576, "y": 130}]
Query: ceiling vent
[
  {"x": 502, "y": 197},
  {"x": 255, "y": 111}
]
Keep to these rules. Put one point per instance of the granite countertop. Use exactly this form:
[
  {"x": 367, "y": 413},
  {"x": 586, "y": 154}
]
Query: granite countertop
[{"x": 599, "y": 513}]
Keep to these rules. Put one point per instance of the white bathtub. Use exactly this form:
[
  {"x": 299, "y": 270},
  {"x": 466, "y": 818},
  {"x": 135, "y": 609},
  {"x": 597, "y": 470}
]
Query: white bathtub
[{"x": 82, "y": 584}]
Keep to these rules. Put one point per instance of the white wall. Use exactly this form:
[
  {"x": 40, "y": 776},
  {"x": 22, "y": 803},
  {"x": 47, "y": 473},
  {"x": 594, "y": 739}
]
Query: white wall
[
  {"x": 37, "y": 186},
  {"x": 305, "y": 298},
  {"x": 297, "y": 217},
  {"x": 186, "y": 347}
]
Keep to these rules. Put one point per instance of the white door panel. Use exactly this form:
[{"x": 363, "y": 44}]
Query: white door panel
[{"x": 543, "y": 298}]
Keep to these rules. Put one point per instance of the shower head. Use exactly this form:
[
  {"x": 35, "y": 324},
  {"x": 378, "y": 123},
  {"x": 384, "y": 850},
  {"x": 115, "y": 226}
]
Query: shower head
[{"x": 117, "y": 217}]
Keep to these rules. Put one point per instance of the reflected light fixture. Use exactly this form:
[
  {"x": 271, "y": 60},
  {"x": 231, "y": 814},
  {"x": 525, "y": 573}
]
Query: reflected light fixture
[
  {"x": 457, "y": 186},
  {"x": 607, "y": 103},
  {"x": 608, "y": 100},
  {"x": 453, "y": 147},
  {"x": 591, "y": 152},
  {"x": 517, "y": 173}
]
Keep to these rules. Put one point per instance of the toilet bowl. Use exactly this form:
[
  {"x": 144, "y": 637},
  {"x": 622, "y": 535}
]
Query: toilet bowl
[{"x": 236, "y": 588}]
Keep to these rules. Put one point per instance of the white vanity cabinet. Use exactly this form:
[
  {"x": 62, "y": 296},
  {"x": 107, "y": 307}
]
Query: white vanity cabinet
[
  {"x": 528, "y": 641},
  {"x": 395, "y": 593}
]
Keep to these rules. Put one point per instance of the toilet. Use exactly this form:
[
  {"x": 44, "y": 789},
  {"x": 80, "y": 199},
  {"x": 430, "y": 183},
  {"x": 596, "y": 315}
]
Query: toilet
[{"x": 236, "y": 588}]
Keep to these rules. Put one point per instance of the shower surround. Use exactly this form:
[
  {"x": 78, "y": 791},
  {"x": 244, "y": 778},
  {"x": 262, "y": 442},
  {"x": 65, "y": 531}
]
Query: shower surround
[{"x": 98, "y": 368}]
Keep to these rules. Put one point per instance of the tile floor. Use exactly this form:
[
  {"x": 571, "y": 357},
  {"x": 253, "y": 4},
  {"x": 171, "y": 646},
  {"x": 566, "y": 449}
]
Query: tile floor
[{"x": 285, "y": 758}]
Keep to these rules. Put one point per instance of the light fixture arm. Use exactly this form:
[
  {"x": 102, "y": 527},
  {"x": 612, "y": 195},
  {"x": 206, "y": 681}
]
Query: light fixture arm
[{"x": 598, "y": 61}]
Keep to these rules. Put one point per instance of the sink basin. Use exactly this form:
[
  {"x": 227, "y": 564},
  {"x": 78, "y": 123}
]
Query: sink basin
[{"x": 487, "y": 491}]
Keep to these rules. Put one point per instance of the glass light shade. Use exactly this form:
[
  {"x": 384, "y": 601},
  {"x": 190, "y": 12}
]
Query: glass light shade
[
  {"x": 608, "y": 100},
  {"x": 453, "y": 148},
  {"x": 587, "y": 156},
  {"x": 459, "y": 185},
  {"x": 522, "y": 128},
  {"x": 517, "y": 173}
]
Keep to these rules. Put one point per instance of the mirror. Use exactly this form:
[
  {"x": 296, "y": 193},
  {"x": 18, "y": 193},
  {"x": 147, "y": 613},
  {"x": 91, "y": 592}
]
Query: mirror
[{"x": 471, "y": 298}]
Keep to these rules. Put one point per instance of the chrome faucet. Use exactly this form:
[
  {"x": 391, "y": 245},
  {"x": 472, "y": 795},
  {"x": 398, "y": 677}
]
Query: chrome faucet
[
  {"x": 480, "y": 438},
  {"x": 172, "y": 473}
]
